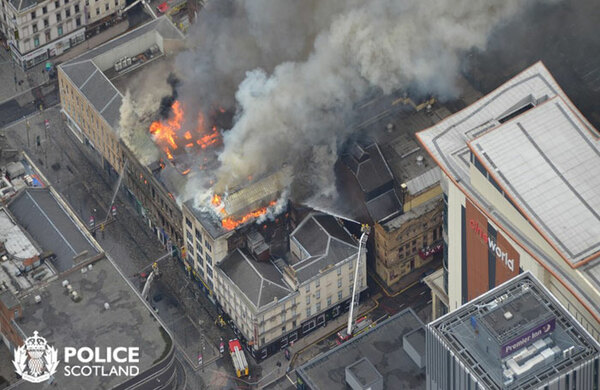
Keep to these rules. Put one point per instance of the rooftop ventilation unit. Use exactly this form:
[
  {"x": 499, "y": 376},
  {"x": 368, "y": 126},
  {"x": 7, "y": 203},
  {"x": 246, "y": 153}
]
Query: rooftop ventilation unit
[{"x": 37, "y": 299}]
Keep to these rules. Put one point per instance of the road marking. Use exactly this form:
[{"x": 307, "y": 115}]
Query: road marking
[
  {"x": 422, "y": 292},
  {"x": 290, "y": 379}
]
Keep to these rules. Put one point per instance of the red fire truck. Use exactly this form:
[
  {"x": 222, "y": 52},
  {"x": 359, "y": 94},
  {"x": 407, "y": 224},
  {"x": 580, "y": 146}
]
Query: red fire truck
[{"x": 239, "y": 359}]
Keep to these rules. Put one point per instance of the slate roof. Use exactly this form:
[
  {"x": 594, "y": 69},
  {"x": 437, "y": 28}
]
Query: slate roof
[
  {"x": 260, "y": 282},
  {"x": 324, "y": 242},
  {"x": 369, "y": 166},
  {"x": 97, "y": 88},
  {"x": 91, "y": 80},
  {"x": 385, "y": 206},
  {"x": 40, "y": 214}
]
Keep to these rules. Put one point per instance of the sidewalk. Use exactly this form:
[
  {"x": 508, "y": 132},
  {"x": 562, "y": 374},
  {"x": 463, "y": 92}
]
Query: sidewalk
[
  {"x": 407, "y": 280},
  {"x": 15, "y": 81},
  {"x": 308, "y": 347}
]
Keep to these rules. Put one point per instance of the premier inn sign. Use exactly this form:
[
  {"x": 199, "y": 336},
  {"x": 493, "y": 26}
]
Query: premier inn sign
[{"x": 528, "y": 337}]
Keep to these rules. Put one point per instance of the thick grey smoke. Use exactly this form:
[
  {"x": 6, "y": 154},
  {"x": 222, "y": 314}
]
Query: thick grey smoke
[
  {"x": 139, "y": 108},
  {"x": 297, "y": 68}
]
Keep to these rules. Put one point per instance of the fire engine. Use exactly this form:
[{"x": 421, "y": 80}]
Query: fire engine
[{"x": 240, "y": 364}]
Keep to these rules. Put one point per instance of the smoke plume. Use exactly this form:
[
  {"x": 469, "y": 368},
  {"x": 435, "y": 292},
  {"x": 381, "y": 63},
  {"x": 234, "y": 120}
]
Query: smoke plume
[{"x": 293, "y": 70}]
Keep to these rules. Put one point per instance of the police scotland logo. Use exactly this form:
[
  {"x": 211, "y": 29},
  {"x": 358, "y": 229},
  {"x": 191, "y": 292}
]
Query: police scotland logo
[{"x": 36, "y": 361}]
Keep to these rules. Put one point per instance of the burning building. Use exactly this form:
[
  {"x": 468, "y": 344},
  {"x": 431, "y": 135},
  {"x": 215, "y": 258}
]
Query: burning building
[{"x": 92, "y": 96}]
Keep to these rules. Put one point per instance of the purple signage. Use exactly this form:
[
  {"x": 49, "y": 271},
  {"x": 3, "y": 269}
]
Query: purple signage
[{"x": 527, "y": 338}]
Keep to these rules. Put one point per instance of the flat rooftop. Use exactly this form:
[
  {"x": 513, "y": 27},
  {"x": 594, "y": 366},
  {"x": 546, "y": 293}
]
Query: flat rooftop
[
  {"x": 544, "y": 159},
  {"x": 520, "y": 99},
  {"x": 40, "y": 213},
  {"x": 491, "y": 333},
  {"x": 64, "y": 322},
  {"x": 382, "y": 346}
]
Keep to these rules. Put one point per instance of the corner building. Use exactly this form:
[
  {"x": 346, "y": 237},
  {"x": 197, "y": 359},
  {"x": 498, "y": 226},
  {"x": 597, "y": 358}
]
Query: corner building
[{"x": 521, "y": 192}]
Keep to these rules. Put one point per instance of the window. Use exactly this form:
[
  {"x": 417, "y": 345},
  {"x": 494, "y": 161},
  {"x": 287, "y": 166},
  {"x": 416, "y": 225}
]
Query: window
[
  {"x": 44, "y": 10},
  {"x": 199, "y": 248},
  {"x": 36, "y": 41},
  {"x": 35, "y": 29},
  {"x": 58, "y": 17},
  {"x": 200, "y": 260},
  {"x": 350, "y": 264},
  {"x": 307, "y": 312},
  {"x": 308, "y": 299},
  {"x": 33, "y": 15},
  {"x": 209, "y": 272},
  {"x": 198, "y": 235},
  {"x": 318, "y": 294},
  {"x": 208, "y": 259},
  {"x": 66, "y": 1},
  {"x": 97, "y": 10},
  {"x": 189, "y": 237},
  {"x": 318, "y": 283},
  {"x": 76, "y": 8},
  {"x": 47, "y": 33},
  {"x": 188, "y": 223},
  {"x": 339, "y": 283},
  {"x": 329, "y": 300},
  {"x": 318, "y": 307},
  {"x": 339, "y": 271},
  {"x": 78, "y": 23},
  {"x": 56, "y": 4},
  {"x": 339, "y": 295},
  {"x": 116, "y": 3},
  {"x": 207, "y": 245},
  {"x": 106, "y": 7},
  {"x": 46, "y": 23},
  {"x": 308, "y": 288},
  {"x": 283, "y": 330},
  {"x": 67, "y": 13}
]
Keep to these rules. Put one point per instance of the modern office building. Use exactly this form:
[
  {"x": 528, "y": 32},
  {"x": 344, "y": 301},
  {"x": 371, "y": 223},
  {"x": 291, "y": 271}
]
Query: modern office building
[
  {"x": 515, "y": 336},
  {"x": 521, "y": 193}
]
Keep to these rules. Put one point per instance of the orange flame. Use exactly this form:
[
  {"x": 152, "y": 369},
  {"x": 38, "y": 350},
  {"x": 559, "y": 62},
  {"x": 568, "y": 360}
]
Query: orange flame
[
  {"x": 216, "y": 200},
  {"x": 186, "y": 171},
  {"x": 167, "y": 133},
  {"x": 231, "y": 223}
]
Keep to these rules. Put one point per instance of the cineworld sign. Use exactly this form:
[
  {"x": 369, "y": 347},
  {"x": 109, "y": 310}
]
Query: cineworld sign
[{"x": 527, "y": 338}]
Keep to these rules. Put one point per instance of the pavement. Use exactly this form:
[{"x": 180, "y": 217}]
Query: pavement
[
  {"x": 75, "y": 171},
  {"x": 7, "y": 371}
]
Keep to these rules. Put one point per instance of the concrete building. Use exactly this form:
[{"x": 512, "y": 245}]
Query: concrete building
[
  {"x": 520, "y": 194},
  {"x": 389, "y": 356},
  {"x": 273, "y": 301},
  {"x": 515, "y": 336},
  {"x": 39, "y": 30},
  {"x": 76, "y": 298},
  {"x": 91, "y": 104}
]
